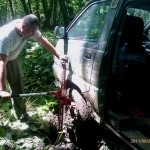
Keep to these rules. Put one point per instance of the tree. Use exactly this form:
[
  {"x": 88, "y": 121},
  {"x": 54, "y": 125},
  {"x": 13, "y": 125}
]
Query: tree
[
  {"x": 49, "y": 12},
  {"x": 25, "y": 6},
  {"x": 11, "y": 8},
  {"x": 64, "y": 11}
]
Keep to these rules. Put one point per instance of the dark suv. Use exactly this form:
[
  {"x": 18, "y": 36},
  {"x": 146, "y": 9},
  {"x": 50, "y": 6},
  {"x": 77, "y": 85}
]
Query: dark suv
[{"x": 109, "y": 65}]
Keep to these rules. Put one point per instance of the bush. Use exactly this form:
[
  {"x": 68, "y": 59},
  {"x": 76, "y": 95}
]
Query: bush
[{"x": 37, "y": 67}]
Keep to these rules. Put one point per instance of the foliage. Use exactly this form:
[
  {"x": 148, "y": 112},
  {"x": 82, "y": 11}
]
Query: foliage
[
  {"x": 49, "y": 12},
  {"x": 37, "y": 67},
  {"x": 35, "y": 133}
]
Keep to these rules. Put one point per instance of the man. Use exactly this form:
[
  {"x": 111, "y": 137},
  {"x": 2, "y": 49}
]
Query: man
[{"x": 13, "y": 37}]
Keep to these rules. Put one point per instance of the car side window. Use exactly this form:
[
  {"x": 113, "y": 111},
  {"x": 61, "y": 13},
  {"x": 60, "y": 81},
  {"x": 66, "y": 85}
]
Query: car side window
[{"x": 89, "y": 24}]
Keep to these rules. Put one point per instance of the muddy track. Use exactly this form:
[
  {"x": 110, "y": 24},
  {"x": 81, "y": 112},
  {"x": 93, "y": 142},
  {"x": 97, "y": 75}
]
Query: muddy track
[{"x": 81, "y": 131}]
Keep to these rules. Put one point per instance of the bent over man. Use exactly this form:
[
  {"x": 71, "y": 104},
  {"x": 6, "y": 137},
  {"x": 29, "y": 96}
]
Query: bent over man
[{"x": 13, "y": 37}]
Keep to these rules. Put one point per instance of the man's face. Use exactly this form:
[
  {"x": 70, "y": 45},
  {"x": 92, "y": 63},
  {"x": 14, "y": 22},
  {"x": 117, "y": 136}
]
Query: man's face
[{"x": 29, "y": 31}]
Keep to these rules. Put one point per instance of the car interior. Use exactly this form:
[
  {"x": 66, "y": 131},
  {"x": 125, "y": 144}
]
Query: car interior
[{"x": 130, "y": 93}]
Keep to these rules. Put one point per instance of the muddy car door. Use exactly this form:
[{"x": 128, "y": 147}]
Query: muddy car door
[{"x": 81, "y": 46}]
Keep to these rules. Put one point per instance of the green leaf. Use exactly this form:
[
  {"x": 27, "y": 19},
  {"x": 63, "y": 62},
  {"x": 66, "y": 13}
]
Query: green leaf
[{"x": 2, "y": 132}]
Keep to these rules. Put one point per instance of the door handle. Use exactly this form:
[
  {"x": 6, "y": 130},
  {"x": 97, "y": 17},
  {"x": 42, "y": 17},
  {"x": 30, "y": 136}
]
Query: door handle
[{"x": 87, "y": 55}]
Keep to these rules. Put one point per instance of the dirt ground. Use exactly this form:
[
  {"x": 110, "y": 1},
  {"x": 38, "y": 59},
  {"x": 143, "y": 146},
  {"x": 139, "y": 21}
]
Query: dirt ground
[
  {"x": 80, "y": 131},
  {"x": 80, "y": 128}
]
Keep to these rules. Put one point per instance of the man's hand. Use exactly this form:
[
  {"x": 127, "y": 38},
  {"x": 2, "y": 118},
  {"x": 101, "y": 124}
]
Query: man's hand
[
  {"x": 5, "y": 95},
  {"x": 63, "y": 58}
]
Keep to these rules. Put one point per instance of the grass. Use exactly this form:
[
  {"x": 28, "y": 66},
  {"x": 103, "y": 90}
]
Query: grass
[{"x": 39, "y": 132}]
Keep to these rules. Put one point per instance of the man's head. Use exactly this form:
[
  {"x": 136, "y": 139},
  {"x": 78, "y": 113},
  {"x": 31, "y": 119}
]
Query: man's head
[
  {"x": 30, "y": 24},
  {"x": 31, "y": 20}
]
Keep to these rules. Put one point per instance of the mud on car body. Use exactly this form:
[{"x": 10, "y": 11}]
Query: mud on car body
[{"x": 109, "y": 63}]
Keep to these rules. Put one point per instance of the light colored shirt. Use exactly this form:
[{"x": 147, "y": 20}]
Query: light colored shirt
[{"x": 11, "y": 43}]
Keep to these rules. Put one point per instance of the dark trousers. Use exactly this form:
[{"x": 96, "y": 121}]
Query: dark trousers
[{"x": 14, "y": 78}]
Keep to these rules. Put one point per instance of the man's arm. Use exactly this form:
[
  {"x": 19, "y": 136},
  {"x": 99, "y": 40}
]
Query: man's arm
[
  {"x": 3, "y": 72},
  {"x": 46, "y": 44},
  {"x": 3, "y": 62}
]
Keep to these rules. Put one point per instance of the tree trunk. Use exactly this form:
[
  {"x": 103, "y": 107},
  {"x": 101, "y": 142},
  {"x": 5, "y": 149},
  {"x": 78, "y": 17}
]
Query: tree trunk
[
  {"x": 25, "y": 7},
  {"x": 29, "y": 4},
  {"x": 47, "y": 13},
  {"x": 55, "y": 16},
  {"x": 11, "y": 8},
  {"x": 64, "y": 11}
]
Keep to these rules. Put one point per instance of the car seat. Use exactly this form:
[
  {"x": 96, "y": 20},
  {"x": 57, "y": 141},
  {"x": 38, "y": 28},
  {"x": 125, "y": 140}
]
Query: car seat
[{"x": 133, "y": 63}]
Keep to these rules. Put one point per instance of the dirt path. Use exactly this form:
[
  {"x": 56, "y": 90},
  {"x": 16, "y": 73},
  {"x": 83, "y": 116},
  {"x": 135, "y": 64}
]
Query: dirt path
[{"x": 40, "y": 132}]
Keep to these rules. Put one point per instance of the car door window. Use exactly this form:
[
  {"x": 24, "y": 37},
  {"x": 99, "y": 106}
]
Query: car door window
[{"x": 89, "y": 25}]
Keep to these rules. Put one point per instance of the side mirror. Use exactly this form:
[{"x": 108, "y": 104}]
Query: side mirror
[{"x": 59, "y": 32}]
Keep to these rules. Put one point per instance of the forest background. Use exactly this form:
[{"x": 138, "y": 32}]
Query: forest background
[
  {"x": 36, "y": 61},
  {"x": 37, "y": 71}
]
